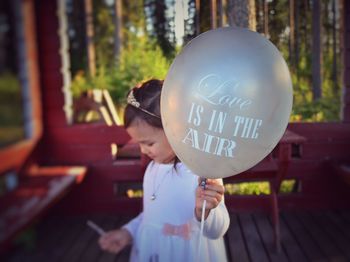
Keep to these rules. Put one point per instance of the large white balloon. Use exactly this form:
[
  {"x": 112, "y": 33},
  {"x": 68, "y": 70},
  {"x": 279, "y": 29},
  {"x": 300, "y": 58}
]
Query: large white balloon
[{"x": 226, "y": 101}]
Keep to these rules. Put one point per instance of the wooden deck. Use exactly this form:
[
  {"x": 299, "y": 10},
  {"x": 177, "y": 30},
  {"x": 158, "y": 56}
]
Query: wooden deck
[{"x": 306, "y": 236}]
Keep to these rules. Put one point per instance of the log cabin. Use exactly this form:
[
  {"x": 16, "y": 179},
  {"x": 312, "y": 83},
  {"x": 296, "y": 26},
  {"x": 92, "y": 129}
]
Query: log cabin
[{"x": 68, "y": 173}]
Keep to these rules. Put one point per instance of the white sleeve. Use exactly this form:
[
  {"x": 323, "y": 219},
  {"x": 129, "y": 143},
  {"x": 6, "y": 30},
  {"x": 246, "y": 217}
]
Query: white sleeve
[
  {"x": 217, "y": 222},
  {"x": 133, "y": 225}
]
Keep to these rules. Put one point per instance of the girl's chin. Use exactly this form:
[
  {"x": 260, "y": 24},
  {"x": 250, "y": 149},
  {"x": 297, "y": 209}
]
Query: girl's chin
[{"x": 163, "y": 161}]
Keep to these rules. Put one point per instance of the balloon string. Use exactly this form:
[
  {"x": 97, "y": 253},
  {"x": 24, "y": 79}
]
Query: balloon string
[{"x": 201, "y": 231}]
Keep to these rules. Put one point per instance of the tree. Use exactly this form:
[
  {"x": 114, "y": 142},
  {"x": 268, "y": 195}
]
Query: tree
[
  {"x": 291, "y": 33},
  {"x": 241, "y": 13},
  {"x": 316, "y": 51},
  {"x": 118, "y": 29},
  {"x": 162, "y": 26},
  {"x": 90, "y": 37}
]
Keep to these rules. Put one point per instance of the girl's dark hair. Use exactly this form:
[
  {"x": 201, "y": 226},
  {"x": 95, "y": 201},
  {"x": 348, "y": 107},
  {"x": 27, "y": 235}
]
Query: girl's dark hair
[{"x": 148, "y": 95}]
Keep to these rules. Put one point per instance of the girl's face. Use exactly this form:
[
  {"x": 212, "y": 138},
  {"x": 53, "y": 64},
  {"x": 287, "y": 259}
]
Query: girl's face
[{"x": 152, "y": 140}]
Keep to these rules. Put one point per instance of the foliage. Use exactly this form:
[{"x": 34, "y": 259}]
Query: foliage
[
  {"x": 10, "y": 100},
  {"x": 258, "y": 188},
  {"x": 248, "y": 188},
  {"x": 137, "y": 64},
  {"x": 141, "y": 57},
  {"x": 162, "y": 26},
  {"x": 11, "y": 126},
  {"x": 139, "y": 61},
  {"x": 148, "y": 47}
]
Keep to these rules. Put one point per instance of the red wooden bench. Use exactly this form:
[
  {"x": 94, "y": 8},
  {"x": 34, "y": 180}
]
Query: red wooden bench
[
  {"x": 272, "y": 169},
  {"x": 37, "y": 190},
  {"x": 343, "y": 171}
]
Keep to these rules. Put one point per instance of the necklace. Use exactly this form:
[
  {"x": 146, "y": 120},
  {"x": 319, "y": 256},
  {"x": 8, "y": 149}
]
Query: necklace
[{"x": 155, "y": 189}]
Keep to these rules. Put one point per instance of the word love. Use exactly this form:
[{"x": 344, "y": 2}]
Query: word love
[{"x": 211, "y": 90}]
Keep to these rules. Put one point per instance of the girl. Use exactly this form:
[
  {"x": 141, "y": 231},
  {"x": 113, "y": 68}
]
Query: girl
[{"x": 168, "y": 229}]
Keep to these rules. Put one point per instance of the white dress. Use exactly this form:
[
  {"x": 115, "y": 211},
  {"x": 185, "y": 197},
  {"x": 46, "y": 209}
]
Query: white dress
[{"x": 167, "y": 229}]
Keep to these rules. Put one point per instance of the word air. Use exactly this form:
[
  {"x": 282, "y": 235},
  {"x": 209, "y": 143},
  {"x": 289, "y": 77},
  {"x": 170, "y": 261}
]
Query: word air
[{"x": 210, "y": 144}]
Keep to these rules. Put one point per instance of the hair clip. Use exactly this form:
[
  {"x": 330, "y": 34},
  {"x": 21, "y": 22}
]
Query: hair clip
[{"x": 131, "y": 100}]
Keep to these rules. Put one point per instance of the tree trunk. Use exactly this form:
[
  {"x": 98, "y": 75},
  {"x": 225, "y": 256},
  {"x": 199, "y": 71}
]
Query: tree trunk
[
  {"x": 221, "y": 21},
  {"x": 118, "y": 29},
  {"x": 241, "y": 13},
  {"x": 297, "y": 31},
  {"x": 334, "y": 47},
  {"x": 266, "y": 18},
  {"x": 90, "y": 37},
  {"x": 291, "y": 33},
  {"x": 198, "y": 22},
  {"x": 316, "y": 50},
  {"x": 213, "y": 16}
]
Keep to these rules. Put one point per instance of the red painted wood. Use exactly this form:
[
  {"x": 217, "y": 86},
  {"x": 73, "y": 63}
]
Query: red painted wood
[
  {"x": 53, "y": 99},
  {"x": 14, "y": 156},
  {"x": 52, "y": 61},
  {"x": 49, "y": 41},
  {"x": 80, "y": 155},
  {"x": 323, "y": 151},
  {"x": 55, "y": 118},
  {"x": 322, "y": 131},
  {"x": 52, "y": 80},
  {"x": 343, "y": 171},
  {"x": 88, "y": 134},
  {"x": 36, "y": 192}
]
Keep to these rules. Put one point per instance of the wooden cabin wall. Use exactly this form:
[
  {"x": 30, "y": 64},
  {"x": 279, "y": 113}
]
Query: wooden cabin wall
[{"x": 90, "y": 145}]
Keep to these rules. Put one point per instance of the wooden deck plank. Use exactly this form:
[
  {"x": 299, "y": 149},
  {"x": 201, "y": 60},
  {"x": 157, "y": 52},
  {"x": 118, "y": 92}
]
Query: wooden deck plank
[
  {"x": 74, "y": 227},
  {"x": 249, "y": 238},
  {"x": 47, "y": 242},
  {"x": 328, "y": 247},
  {"x": 334, "y": 234},
  {"x": 93, "y": 250},
  {"x": 345, "y": 215},
  {"x": 266, "y": 233},
  {"x": 112, "y": 224},
  {"x": 290, "y": 245},
  {"x": 343, "y": 225},
  {"x": 79, "y": 245},
  {"x": 254, "y": 244},
  {"x": 311, "y": 249},
  {"x": 237, "y": 248}
]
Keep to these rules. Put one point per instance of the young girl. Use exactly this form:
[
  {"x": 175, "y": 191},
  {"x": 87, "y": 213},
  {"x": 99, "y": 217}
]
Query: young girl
[{"x": 168, "y": 229}]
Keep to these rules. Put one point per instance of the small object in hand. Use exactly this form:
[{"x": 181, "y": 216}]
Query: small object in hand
[
  {"x": 95, "y": 227},
  {"x": 203, "y": 183}
]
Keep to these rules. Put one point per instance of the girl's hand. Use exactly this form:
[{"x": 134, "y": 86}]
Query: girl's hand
[
  {"x": 114, "y": 241},
  {"x": 213, "y": 194}
]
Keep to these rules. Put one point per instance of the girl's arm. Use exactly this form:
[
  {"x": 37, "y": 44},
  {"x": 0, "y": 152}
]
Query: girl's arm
[{"x": 133, "y": 225}]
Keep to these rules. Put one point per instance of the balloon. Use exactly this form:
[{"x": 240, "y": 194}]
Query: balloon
[{"x": 226, "y": 101}]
